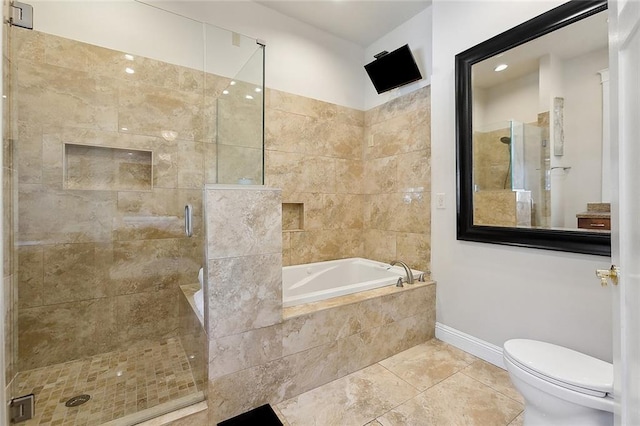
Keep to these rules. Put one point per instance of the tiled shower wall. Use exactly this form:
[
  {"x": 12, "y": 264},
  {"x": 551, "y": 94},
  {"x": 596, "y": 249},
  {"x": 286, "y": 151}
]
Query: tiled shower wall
[
  {"x": 397, "y": 180},
  {"x": 100, "y": 266},
  {"x": 348, "y": 172},
  {"x": 314, "y": 154},
  {"x": 360, "y": 181}
]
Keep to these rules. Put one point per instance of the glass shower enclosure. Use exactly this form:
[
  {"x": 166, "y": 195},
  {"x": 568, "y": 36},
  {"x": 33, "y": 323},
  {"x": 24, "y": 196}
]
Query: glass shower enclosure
[{"x": 110, "y": 130}]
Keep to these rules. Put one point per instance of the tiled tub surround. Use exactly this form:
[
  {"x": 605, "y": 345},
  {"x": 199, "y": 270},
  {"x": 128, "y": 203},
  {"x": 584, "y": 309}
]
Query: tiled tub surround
[
  {"x": 102, "y": 251},
  {"x": 257, "y": 354},
  {"x": 351, "y": 173}
]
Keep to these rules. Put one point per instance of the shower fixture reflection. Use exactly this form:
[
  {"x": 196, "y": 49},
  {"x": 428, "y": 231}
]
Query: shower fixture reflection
[{"x": 507, "y": 141}]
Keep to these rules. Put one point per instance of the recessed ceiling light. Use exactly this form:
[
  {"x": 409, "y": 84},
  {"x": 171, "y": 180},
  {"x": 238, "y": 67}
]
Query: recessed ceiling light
[
  {"x": 128, "y": 57},
  {"x": 501, "y": 67},
  {"x": 129, "y": 70},
  {"x": 258, "y": 89},
  {"x": 233, "y": 83},
  {"x": 249, "y": 97},
  {"x": 225, "y": 92}
]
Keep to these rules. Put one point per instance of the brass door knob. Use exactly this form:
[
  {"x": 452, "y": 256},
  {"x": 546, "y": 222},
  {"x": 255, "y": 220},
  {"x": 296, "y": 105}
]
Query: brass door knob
[{"x": 608, "y": 274}]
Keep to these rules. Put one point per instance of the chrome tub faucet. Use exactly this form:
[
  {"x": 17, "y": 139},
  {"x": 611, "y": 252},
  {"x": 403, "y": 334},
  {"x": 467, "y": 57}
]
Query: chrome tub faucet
[{"x": 407, "y": 270}]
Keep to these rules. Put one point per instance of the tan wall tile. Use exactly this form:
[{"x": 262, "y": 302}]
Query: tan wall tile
[
  {"x": 146, "y": 317},
  {"x": 404, "y": 133},
  {"x": 234, "y": 353},
  {"x": 311, "y": 368},
  {"x": 349, "y": 176},
  {"x": 289, "y": 132},
  {"x": 149, "y": 110},
  {"x": 307, "y": 331},
  {"x": 49, "y": 216},
  {"x": 65, "y": 95},
  {"x": 380, "y": 245},
  {"x": 58, "y": 333},
  {"x": 381, "y": 175},
  {"x": 343, "y": 211},
  {"x": 144, "y": 266},
  {"x": 299, "y": 173},
  {"x": 236, "y": 162},
  {"x": 414, "y": 170},
  {"x": 414, "y": 250},
  {"x": 495, "y": 207},
  {"x": 148, "y": 215},
  {"x": 190, "y": 164},
  {"x": 244, "y": 293},
  {"x": 210, "y": 163},
  {"x": 339, "y": 140},
  {"x": 191, "y": 259},
  {"x": 238, "y": 392},
  {"x": 30, "y": 276},
  {"x": 74, "y": 272},
  {"x": 27, "y": 45},
  {"x": 283, "y": 101},
  {"x": 243, "y": 222},
  {"x": 316, "y": 246},
  {"x": 29, "y": 156},
  {"x": 239, "y": 118},
  {"x": 391, "y": 212},
  {"x": 418, "y": 99},
  {"x": 398, "y": 306}
]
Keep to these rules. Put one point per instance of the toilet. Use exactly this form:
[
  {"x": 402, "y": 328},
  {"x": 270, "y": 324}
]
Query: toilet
[{"x": 560, "y": 386}]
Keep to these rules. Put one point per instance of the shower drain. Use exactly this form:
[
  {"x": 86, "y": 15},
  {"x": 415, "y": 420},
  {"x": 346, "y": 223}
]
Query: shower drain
[{"x": 77, "y": 400}]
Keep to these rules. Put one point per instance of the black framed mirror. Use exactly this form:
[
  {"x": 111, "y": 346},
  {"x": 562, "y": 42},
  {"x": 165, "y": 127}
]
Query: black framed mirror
[{"x": 533, "y": 137}]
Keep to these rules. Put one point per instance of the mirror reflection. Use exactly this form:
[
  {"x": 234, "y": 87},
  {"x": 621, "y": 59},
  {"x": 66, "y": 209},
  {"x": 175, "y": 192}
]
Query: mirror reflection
[{"x": 540, "y": 132}]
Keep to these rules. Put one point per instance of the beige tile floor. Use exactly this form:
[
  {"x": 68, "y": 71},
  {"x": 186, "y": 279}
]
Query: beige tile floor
[
  {"x": 429, "y": 384},
  {"x": 120, "y": 383}
]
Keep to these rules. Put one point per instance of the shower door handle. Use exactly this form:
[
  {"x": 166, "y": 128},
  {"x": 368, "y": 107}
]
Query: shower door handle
[{"x": 188, "y": 220}]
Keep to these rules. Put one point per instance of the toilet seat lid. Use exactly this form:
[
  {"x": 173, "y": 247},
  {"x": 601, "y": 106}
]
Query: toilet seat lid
[{"x": 562, "y": 365}]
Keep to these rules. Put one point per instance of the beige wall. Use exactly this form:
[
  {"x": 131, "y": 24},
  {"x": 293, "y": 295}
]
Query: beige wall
[
  {"x": 352, "y": 193},
  {"x": 99, "y": 267},
  {"x": 490, "y": 291}
]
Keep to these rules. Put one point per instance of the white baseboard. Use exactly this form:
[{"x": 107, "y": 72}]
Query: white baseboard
[{"x": 483, "y": 350}]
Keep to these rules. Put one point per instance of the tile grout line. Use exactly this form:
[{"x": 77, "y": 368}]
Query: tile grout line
[
  {"x": 403, "y": 402},
  {"x": 491, "y": 387}
]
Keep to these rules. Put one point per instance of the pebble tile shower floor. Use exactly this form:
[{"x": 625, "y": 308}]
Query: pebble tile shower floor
[{"x": 120, "y": 383}]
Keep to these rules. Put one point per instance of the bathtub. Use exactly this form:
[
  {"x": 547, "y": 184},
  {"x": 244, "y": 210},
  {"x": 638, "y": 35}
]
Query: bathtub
[{"x": 313, "y": 282}]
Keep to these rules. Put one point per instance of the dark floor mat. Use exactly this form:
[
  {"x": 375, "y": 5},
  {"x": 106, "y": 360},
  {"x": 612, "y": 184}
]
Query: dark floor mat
[{"x": 261, "y": 416}]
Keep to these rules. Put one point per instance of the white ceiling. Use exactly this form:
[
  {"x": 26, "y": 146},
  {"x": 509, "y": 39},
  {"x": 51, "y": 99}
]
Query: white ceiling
[{"x": 359, "y": 21}]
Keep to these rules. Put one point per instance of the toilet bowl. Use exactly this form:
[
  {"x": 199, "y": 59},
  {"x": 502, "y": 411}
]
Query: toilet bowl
[{"x": 560, "y": 386}]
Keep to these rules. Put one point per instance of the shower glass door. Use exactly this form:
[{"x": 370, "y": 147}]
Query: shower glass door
[
  {"x": 240, "y": 123},
  {"x": 105, "y": 135}
]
